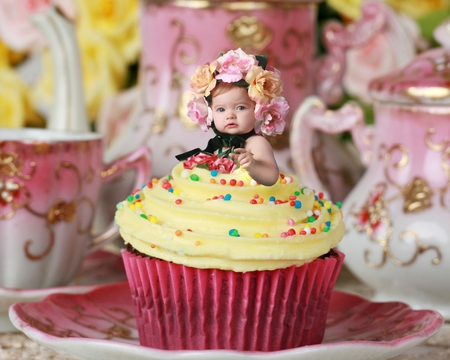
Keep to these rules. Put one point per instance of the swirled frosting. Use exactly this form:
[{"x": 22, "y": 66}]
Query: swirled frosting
[{"x": 205, "y": 219}]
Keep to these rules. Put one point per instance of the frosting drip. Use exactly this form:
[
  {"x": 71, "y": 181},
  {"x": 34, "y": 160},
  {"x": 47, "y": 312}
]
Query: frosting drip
[{"x": 205, "y": 219}]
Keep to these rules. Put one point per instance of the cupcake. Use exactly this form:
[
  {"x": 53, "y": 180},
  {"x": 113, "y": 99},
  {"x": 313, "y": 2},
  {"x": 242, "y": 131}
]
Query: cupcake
[{"x": 226, "y": 252}]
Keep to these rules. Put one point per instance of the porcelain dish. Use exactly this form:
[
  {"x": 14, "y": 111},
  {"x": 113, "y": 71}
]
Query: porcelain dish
[{"x": 100, "y": 325}]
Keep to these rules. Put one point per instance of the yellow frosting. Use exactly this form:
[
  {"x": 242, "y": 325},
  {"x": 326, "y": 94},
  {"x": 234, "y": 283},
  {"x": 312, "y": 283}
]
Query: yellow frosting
[{"x": 228, "y": 221}]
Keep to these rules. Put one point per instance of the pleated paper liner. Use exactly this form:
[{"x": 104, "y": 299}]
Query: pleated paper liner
[{"x": 179, "y": 307}]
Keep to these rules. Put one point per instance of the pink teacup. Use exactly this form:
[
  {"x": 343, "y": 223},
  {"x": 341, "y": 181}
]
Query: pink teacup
[{"x": 49, "y": 188}]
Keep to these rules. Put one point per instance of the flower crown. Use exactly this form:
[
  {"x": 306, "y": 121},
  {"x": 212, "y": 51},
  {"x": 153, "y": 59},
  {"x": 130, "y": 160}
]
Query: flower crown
[{"x": 263, "y": 82}]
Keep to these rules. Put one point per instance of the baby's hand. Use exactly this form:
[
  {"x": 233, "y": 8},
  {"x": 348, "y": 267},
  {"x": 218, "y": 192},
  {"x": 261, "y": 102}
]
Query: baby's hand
[{"x": 243, "y": 157}]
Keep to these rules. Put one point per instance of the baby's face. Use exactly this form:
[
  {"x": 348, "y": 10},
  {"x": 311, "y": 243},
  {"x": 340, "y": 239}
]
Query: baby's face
[{"x": 233, "y": 111}]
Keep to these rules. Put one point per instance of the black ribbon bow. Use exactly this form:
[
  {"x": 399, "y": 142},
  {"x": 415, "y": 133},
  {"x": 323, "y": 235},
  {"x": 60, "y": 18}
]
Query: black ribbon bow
[{"x": 218, "y": 142}]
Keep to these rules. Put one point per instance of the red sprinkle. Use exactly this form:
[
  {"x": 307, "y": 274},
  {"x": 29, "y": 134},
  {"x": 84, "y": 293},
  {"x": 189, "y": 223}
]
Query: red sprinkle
[
  {"x": 292, "y": 203},
  {"x": 291, "y": 232},
  {"x": 232, "y": 182},
  {"x": 253, "y": 201},
  {"x": 223, "y": 181},
  {"x": 240, "y": 183},
  {"x": 313, "y": 230},
  {"x": 178, "y": 201}
]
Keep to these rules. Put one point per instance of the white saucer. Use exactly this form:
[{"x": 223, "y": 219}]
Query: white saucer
[
  {"x": 99, "y": 268},
  {"x": 100, "y": 325}
]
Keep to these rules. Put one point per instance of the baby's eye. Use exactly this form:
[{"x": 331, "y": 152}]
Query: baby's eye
[
  {"x": 220, "y": 109},
  {"x": 241, "y": 107}
]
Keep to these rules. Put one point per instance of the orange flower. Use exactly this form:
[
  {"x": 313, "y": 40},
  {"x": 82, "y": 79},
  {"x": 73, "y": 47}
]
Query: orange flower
[
  {"x": 203, "y": 81},
  {"x": 264, "y": 85}
]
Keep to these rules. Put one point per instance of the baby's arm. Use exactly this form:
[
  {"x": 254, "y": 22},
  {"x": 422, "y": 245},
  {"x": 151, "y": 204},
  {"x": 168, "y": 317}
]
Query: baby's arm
[{"x": 258, "y": 159}]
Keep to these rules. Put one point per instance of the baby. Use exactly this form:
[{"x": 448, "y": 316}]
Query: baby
[{"x": 238, "y": 96}]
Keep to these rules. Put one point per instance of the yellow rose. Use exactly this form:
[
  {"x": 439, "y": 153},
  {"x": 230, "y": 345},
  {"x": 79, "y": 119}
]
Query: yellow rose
[
  {"x": 202, "y": 81},
  {"x": 414, "y": 8},
  {"x": 103, "y": 72},
  {"x": 349, "y": 8},
  {"x": 263, "y": 85},
  {"x": 118, "y": 20},
  {"x": 14, "y": 100},
  {"x": 419, "y": 8}
]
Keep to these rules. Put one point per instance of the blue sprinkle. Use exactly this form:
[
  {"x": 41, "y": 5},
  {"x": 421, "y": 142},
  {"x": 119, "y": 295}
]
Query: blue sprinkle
[
  {"x": 214, "y": 172},
  {"x": 316, "y": 197},
  {"x": 137, "y": 196},
  {"x": 170, "y": 190},
  {"x": 328, "y": 223},
  {"x": 329, "y": 210},
  {"x": 272, "y": 198},
  {"x": 298, "y": 204},
  {"x": 227, "y": 197}
]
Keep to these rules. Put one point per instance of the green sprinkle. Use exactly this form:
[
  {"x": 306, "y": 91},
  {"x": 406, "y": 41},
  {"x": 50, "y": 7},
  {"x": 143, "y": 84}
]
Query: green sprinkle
[
  {"x": 194, "y": 177},
  {"x": 297, "y": 193},
  {"x": 169, "y": 177},
  {"x": 143, "y": 216},
  {"x": 339, "y": 204},
  {"x": 233, "y": 232},
  {"x": 130, "y": 198},
  {"x": 311, "y": 219},
  {"x": 326, "y": 229}
]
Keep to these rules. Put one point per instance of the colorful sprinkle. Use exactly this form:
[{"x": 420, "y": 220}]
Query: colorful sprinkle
[
  {"x": 185, "y": 174},
  {"x": 178, "y": 233},
  {"x": 258, "y": 235},
  {"x": 253, "y": 182},
  {"x": 197, "y": 243},
  {"x": 194, "y": 177},
  {"x": 227, "y": 197},
  {"x": 223, "y": 182},
  {"x": 143, "y": 216},
  {"x": 130, "y": 198},
  {"x": 298, "y": 204},
  {"x": 233, "y": 182},
  {"x": 233, "y": 232},
  {"x": 339, "y": 204},
  {"x": 214, "y": 173},
  {"x": 240, "y": 183},
  {"x": 178, "y": 201},
  {"x": 291, "y": 222},
  {"x": 212, "y": 181},
  {"x": 153, "y": 219}
]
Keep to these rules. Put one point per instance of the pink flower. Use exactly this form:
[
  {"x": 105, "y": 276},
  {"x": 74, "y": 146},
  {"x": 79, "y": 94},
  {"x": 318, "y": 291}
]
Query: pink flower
[
  {"x": 200, "y": 112},
  {"x": 223, "y": 165},
  {"x": 199, "y": 159},
  {"x": 234, "y": 64},
  {"x": 270, "y": 117},
  {"x": 16, "y": 28}
]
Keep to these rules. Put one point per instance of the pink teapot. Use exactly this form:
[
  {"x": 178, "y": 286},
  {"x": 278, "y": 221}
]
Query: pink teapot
[{"x": 398, "y": 215}]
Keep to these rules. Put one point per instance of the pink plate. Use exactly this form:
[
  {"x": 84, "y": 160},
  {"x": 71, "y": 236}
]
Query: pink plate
[
  {"x": 101, "y": 267},
  {"x": 100, "y": 325}
]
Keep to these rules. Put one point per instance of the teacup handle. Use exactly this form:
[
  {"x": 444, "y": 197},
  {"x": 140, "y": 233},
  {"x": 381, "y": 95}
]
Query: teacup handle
[
  {"x": 139, "y": 160},
  {"x": 313, "y": 115}
]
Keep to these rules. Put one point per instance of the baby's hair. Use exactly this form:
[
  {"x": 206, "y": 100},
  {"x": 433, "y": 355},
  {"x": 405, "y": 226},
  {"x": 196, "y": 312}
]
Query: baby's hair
[{"x": 220, "y": 89}]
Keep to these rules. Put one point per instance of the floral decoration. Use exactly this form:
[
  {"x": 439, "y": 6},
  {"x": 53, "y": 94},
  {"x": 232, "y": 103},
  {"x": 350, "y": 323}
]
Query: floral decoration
[
  {"x": 263, "y": 82},
  {"x": 222, "y": 165}
]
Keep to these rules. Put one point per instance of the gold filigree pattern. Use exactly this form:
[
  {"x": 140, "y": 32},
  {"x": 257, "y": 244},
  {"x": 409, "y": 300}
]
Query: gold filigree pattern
[
  {"x": 374, "y": 216},
  {"x": 249, "y": 33},
  {"x": 160, "y": 121},
  {"x": 15, "y": 195}
]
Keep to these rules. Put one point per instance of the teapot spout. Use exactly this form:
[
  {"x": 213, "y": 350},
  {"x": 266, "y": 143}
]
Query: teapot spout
[{"x": 68, "y": 112}]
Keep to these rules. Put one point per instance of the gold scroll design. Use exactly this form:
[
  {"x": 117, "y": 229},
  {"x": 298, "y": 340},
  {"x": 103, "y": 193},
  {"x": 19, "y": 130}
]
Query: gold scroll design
[
  {"x": 62, "y": 211},
  {"x": 374, "y": 217},
  {"x": 184, "y": 51},
  {"x": 13, "y": 193},
  {"x": 249, "y": 33},
  {"x": 114, "y": 323}
]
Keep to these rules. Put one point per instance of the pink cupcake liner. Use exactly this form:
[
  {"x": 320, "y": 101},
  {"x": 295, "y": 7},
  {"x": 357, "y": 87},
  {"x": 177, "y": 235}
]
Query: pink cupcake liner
[{"x": 179, "y": 307}]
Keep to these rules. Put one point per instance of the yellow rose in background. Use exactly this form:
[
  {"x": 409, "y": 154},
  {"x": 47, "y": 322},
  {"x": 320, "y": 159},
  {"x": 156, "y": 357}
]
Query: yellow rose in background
[
  {"x": 15, "y": 105},
  {"x": 418, "y": 8},
  {"x": 414, "y": 8},
  {"x": 118, "y": 20},
  {"x": 103, "y": 72}
]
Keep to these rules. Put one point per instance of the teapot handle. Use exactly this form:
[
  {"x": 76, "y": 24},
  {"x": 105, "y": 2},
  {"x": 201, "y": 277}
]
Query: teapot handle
[
  {"x": 329, "y": 69},
  {"x": 313, "y": 115}
]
